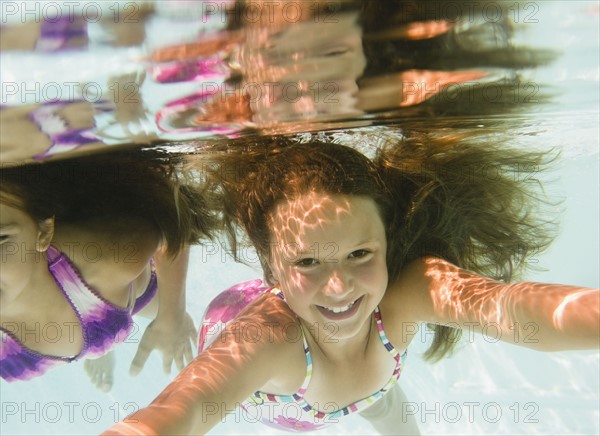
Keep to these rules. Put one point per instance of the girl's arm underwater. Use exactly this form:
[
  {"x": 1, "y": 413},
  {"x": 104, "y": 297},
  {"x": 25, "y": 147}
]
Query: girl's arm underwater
[
  {"x": 220, "y": 378},
  {"x": 544, "y": 317},
  {"x": 172, "y": 328}
]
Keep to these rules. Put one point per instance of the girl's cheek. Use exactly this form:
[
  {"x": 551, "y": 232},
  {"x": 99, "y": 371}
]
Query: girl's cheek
[
  {"x": 373, "y": 272},
  {"x": 298, "y": 280},
  {"x": 302, "y": 283}
]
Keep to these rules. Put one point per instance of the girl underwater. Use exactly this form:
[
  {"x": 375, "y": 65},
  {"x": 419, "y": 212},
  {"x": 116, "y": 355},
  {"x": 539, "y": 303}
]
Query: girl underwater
[
  {"x": 87, "y": 243},
  {"x": 356, "y": 252}
]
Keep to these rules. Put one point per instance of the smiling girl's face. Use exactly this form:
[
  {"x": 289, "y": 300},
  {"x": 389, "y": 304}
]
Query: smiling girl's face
[
  {"x": 328, "y": 254},
  {"x": 23, "y": 241}
]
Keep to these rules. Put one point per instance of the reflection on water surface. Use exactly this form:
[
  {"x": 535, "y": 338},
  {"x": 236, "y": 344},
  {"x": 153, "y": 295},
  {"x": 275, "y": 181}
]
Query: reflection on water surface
[{"x": 82, "y": 77}]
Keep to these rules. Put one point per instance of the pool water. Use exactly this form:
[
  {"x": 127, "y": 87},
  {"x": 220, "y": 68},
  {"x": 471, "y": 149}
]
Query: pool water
[{"x": 487, "y": 386}]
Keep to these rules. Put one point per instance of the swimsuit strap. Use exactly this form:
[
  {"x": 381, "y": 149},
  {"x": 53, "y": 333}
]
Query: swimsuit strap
[
  {"x": 74, "y": 287},
  {"x": 382, "y": 335},
  {"x": 67, "y": 279},
  {"x": 309, "y": 366},
  {"x": 150, "y": 292},
  {"x": 388, "y": 346},
  {"x": 52, "y": 254},
  {"x": 103, "y": 323}
]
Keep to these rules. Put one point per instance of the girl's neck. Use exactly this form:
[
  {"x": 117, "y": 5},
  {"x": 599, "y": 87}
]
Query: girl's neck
[
  {"x": 37, "y": 298},
  {"x": 340, "y": 349}
]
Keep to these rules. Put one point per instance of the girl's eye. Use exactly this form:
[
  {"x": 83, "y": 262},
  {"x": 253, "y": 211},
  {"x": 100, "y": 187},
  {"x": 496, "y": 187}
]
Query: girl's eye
[
  {"x": 3, "y": 238},
  {"x": 335, "y": 51},
  {"x": 307, "y": 262},
  {"x": 358, "y": 254}
]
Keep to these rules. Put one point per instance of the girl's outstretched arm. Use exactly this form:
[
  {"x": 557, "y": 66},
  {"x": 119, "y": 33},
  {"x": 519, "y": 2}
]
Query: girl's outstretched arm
[
  {"x": 229, "y": 371},
  {"x": 172, "y": 331},
  {"x": 545, "y": 317}
]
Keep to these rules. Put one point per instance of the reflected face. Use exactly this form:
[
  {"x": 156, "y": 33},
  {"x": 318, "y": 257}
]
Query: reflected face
[
  {"x": 19, "y": 236},
  {"x": 328, "y": 254},
  {"x": 305, "y": 70}
]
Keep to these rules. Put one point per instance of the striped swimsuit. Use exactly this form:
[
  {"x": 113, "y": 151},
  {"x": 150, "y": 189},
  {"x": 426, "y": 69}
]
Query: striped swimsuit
[{"x": 290, "y": 412}]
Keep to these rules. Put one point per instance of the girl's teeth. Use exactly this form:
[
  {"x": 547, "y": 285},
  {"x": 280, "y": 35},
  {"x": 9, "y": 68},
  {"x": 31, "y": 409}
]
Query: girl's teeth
[{"x": 340, "y": 309}]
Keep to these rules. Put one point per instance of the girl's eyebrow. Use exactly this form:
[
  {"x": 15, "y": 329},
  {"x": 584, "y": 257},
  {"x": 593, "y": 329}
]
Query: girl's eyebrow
[
  {"x": 367, "y": 241},
  {"x": 363, "y": 242},
  {"x": 312, "y": 249}
]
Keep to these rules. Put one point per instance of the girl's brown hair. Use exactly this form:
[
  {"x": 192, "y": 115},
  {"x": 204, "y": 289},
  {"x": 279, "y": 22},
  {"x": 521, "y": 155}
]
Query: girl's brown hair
[
  {"x": 112, "y": 194},
  {"x": 450, "y": 197}
]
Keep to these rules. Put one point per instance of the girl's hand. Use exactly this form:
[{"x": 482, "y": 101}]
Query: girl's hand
[
  {"x": 173, "y": 338},
  {"x": 100, "y": 371}
]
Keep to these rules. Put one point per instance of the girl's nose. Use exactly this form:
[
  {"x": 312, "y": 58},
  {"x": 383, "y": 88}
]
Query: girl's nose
[{"x": 339, "y": 284}]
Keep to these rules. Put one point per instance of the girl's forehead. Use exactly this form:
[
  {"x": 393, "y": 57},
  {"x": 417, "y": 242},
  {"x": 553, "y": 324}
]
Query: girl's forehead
[
  {"x": 314, "y": 211},
  {"x": 312, "y": 205}
]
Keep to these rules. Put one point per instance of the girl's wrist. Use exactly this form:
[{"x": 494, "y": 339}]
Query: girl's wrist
[{"x": 171, "y": 312}]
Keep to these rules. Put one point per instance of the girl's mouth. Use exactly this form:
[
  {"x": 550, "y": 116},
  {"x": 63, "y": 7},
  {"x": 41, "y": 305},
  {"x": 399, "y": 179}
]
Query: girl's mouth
[{"x": 340, "y": 312}]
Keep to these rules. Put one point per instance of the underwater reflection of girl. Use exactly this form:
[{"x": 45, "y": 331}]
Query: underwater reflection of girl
[
  {"x": 70, "y": 31},
  {"x": 41, "y": 131},
  {"x": 74, "y": 127},
  {"x": 85, "y": 244},
  {"x": 357, "y": 252}
]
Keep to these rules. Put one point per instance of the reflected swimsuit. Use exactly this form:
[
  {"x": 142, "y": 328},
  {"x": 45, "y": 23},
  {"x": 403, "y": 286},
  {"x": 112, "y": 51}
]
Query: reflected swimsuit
[
  {"x": 102, "y": 323},
  {"x": 63, "y": 137},
  {"x": 289, "y": 412}
]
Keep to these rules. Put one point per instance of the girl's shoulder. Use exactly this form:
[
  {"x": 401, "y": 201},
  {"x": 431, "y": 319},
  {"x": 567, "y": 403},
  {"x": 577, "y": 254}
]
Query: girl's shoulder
[
  {"x": 265, "y": 332},
  {"x": 407, "y": 303},
  {"x": 106, "y": 265},
  {"x": 271, "y": 318}
]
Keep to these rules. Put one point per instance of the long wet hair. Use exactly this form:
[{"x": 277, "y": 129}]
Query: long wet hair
[
  {"x": 447, "y": 197},
  {"x": 114, "y": 195}
]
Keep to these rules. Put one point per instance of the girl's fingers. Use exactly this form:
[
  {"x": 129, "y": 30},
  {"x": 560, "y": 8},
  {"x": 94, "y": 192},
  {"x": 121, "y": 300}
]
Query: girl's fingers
[
  {"x": 167, "y": 363},
  {"x": 179, "y": 361},
  {"x": 188, "y": 353}
]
